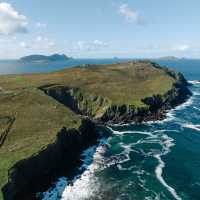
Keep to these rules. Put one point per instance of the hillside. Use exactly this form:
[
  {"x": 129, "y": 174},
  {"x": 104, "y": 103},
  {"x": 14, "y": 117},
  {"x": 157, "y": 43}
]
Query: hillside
[{"x": 31, "y": 119}]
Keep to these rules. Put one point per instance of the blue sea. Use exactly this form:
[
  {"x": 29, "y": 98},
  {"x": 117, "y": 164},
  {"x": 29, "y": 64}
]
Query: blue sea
[
  {"x": 17, "y": 67},
  {"x": 152, "y": 161},
  {"x": 189, "y": 67}
]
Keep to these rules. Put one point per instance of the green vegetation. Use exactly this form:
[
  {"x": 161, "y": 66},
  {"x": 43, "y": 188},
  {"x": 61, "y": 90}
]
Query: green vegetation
[{"x": 37, "y": 117}]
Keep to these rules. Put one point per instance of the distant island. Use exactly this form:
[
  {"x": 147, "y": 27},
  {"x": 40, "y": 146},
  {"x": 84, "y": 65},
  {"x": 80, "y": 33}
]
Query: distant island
[
  {"x": 44, "y": 59},
  {"x": 173, "y": 58}
]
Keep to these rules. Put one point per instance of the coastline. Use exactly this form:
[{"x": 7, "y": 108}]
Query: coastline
[
  {"x": 83, "y": 181},
  {"x": 154, "y": 107},
  {"x": 16, "y": 178},
  {"x": 51, "y": 163}
]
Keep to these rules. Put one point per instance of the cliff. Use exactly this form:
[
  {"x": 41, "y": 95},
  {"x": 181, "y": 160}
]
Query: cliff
[
  {"x": 103, "y": 110},
  {"x": 32, "y": 175}
]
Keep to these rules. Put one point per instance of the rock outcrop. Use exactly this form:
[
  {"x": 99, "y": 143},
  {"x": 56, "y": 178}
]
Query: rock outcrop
[{"x": 78, "y": 101}]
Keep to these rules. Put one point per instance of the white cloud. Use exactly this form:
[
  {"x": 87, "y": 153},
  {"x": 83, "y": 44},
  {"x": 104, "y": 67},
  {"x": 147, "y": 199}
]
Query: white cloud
[
  {"x": 39, "y": 38},
  {"x": 100, "y": 43},
  {"x": 43, "y": 42},
  {"x": 94, "y": 45},
  {"x": 40, "y": 25},
  {"x": 182, "y": 47},
  {"x": 11, "y": 21},
  {"x": 166, "y": 49},
  {"x": 23, "y": 45},
  {"x": 130, "y": 14},
  {"x": 39, "y": 45}
]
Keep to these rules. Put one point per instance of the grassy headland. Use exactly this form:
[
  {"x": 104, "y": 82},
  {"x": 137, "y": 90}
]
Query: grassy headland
[{"x": 30, "y": 118}]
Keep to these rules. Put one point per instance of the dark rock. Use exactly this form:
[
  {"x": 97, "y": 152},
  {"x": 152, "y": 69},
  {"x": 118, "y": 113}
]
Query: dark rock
[{"x": 35, "y": 174}]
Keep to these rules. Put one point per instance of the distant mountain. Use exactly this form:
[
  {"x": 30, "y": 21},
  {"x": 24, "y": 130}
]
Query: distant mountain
[{"x": 43, "y": 58}]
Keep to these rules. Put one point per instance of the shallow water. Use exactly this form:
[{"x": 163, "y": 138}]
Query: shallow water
[{"x": 153, "y": 161}]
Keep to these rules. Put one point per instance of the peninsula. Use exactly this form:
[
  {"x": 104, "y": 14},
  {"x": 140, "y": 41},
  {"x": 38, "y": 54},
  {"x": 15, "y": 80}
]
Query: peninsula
[{"x": 47, "y": 120}]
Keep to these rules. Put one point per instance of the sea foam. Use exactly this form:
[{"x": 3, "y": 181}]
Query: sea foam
[
  {"x": 194, "y": 82},
  {"x": 192, "y": 126},
  {"x": 83, "y": 186},
  {"x": 159, "y": 171},
  {"x": 196, "y": 108},
  {"x": 155, "y": 137},
  {"x": 167, "y": 144},
  {"x": 128, "y": 132},
  {"x": 86, "y": 185}
]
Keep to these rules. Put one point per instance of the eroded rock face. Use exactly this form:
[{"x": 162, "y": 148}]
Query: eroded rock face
[
  {"x": 157, "y": 105},
  {"x": 35, "y": 174},
  {"x": 78, "y": 101},
  {"x": 103, "y": 111}
]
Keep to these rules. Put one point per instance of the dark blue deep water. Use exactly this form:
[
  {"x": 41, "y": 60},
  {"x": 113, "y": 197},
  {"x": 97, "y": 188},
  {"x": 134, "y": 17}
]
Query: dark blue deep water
[
  {"x": 152, "y": 161},
  {"x": 189, "y": 67}
]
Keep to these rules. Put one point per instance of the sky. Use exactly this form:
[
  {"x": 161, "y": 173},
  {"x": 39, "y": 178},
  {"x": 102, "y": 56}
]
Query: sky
[{"x": 100, "y": 28}]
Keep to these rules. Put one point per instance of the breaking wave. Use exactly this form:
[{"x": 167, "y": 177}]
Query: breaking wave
[
  {"x": 192, "y": 126},
  {"x": 84, "y": 185}
]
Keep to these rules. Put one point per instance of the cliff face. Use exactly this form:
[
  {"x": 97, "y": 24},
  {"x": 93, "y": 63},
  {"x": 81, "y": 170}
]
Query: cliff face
[
  {"x": 157, "y": 105},
  {"x": 59, "y": 159},
  {"x": 78, "y": 101},
  {"x": 103, "y": 111}
]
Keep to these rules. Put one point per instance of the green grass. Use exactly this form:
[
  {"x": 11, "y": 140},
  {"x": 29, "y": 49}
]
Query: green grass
[
  {"x": 38, "y": 120},
  {"x": 38, "y": 117}
]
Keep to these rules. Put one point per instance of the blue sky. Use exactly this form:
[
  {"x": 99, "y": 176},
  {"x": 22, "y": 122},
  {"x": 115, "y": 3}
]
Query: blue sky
[{"x": 100, "y": 28}]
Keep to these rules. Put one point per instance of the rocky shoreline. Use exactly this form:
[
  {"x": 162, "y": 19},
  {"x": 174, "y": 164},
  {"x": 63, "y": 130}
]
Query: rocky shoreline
[
  {"x": 62, "y": 158},
  {"x": 155, "y": 107}
]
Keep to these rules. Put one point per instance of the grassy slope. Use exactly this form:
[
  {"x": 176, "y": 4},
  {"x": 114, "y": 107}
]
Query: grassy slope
[
  {"x": 38, "y": 120},
  {"x": 38, "y": 117}
]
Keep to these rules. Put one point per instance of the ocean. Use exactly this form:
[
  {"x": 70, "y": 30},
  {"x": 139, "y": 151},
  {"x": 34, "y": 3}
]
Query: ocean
[
  {"x": 152, "y": 161},
  {"x": 17, "y": 67}
]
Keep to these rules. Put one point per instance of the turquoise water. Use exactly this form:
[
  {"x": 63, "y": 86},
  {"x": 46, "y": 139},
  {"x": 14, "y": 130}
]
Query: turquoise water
[{"x": 152, "y": 161}]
